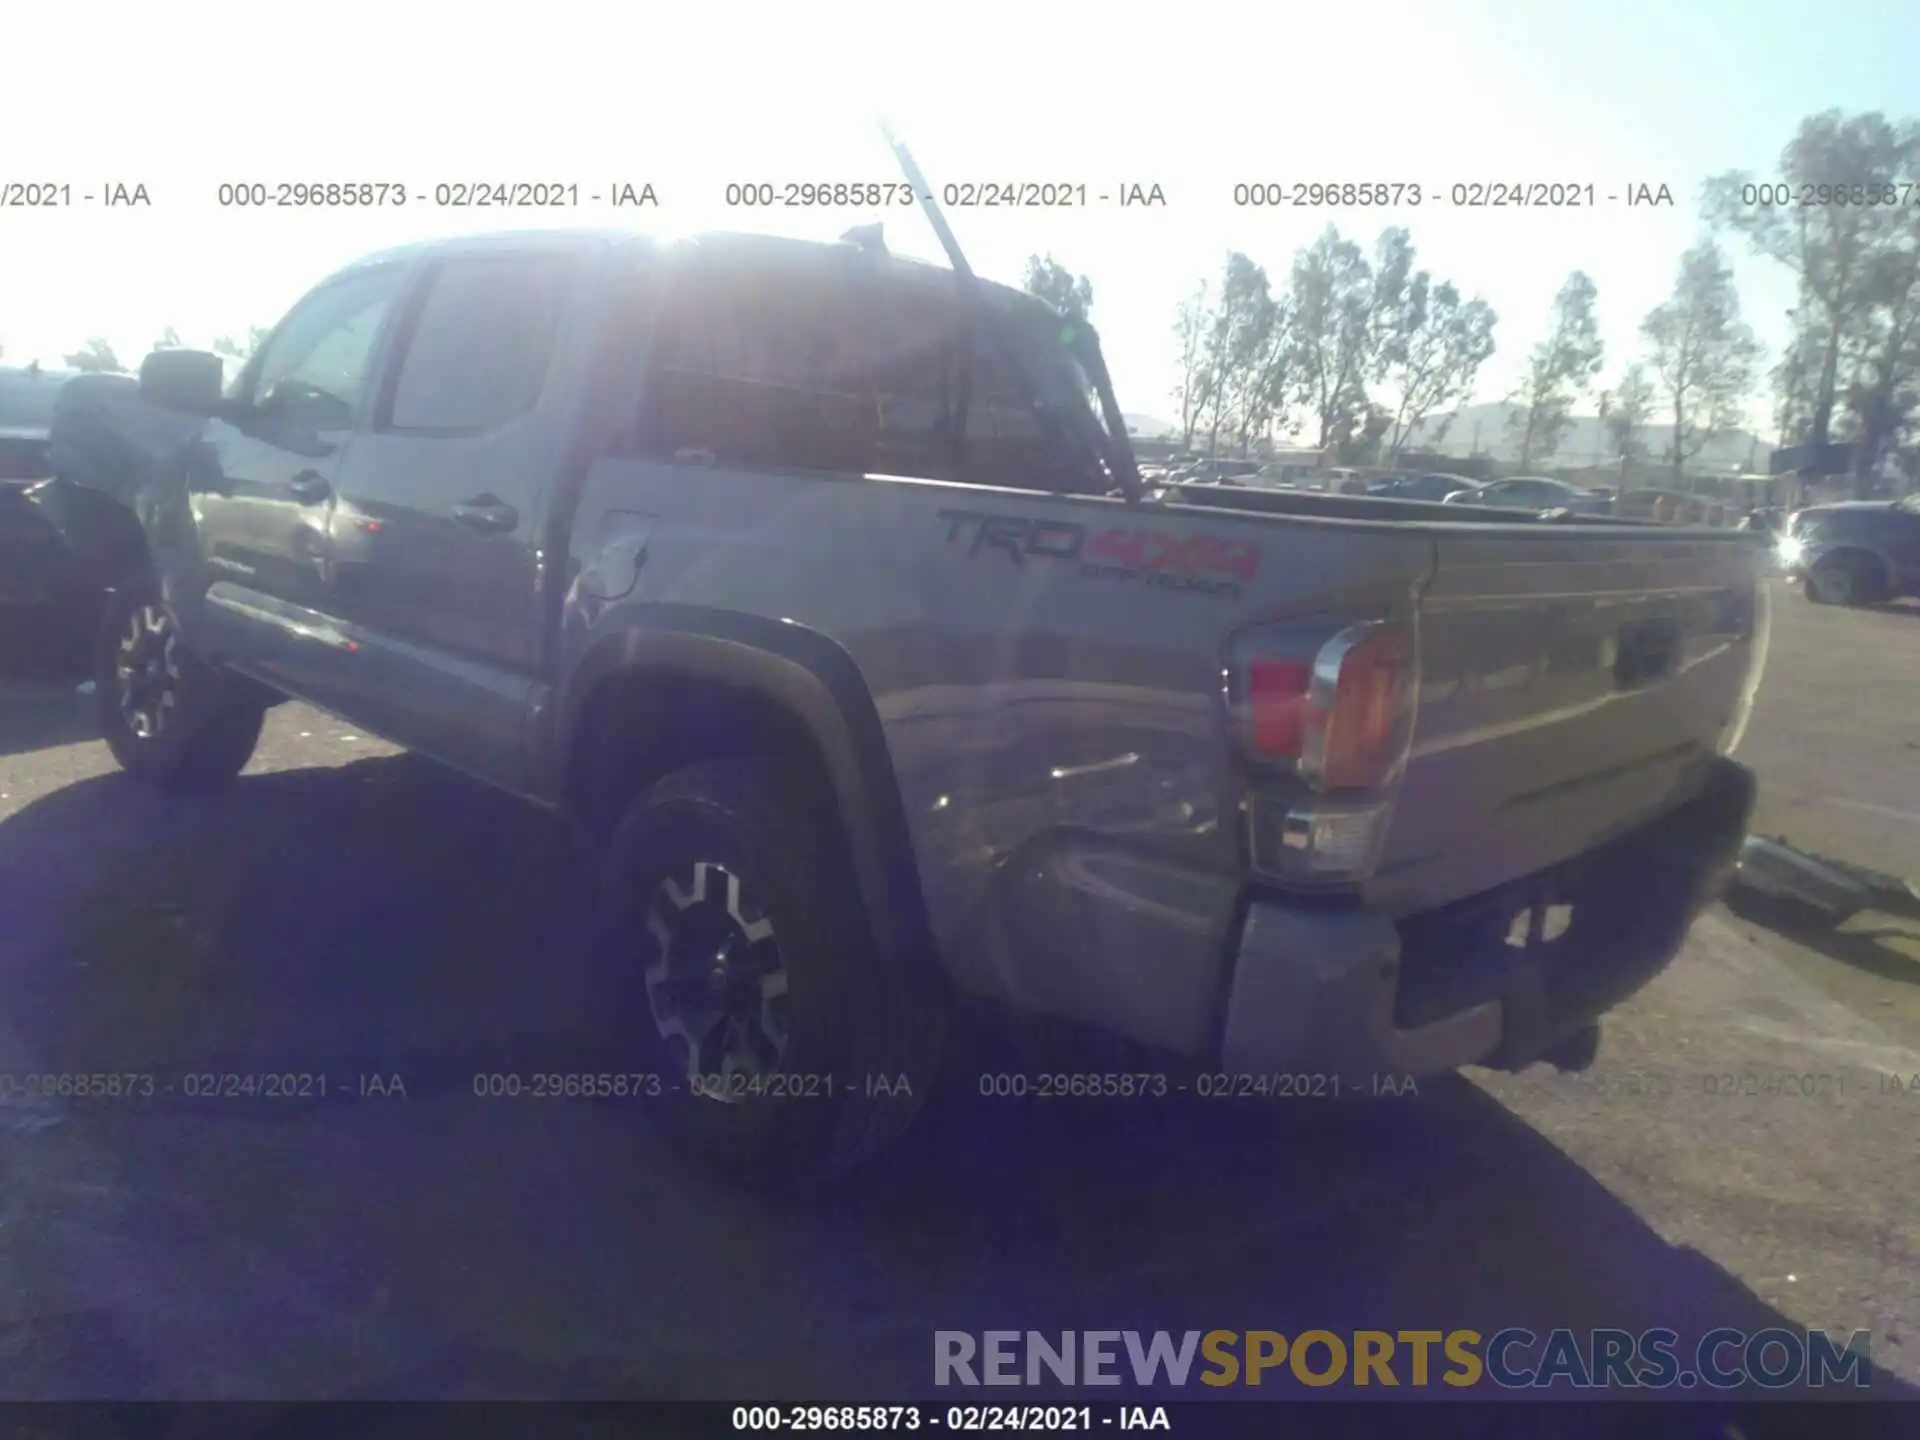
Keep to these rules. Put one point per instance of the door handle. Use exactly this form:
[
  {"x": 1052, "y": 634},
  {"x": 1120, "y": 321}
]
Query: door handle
[
  {"x": 486, "y": 513},
  {"x": 309, "y": 486}
]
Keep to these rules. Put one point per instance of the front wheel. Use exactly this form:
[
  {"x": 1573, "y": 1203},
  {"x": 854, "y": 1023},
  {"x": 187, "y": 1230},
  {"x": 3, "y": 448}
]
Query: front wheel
[
  {"x": 788, "y": 1046},
  {"x": 169, "y": 719},
  {"x": 1841, "y": 580}
]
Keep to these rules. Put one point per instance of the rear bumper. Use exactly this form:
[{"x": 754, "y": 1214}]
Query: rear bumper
[{"x": 1493, "y": 980}]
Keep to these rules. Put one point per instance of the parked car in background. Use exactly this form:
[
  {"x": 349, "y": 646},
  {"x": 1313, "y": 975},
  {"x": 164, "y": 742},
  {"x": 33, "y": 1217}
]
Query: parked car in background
[
  {"x": 1289, "y": 475},
  {"x": 39, "y": 569},
  {"x": 27, "y": 394},
  {"x": 1855, "y": 552},
  {"x": 1342, "y": 481},
  {"x": 1227, "y": 472},
  {"x": 1436, "y": 487},
  {"x": 1536, "y": 493}
]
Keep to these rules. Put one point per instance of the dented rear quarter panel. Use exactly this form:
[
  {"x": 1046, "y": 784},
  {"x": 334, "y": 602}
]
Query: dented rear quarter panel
[{"x": 1046, "y": 670}]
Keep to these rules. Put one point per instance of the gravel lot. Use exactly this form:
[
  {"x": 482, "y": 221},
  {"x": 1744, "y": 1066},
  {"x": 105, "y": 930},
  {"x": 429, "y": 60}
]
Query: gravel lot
[{"x": 351, "y": 911}]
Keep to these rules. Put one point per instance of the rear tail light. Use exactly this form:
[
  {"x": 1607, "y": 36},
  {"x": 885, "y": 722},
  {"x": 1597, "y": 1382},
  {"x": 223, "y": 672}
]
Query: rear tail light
[
  {"x": 1324, "y": 719},
  {"x": 1340, "y": 715}
]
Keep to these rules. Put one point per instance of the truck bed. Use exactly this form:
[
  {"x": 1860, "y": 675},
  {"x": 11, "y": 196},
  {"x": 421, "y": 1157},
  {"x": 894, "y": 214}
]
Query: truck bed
[{"x": 1577, "y": 679}]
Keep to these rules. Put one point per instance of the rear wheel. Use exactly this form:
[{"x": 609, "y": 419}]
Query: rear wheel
[
  {"x": 788, "y": 1047},
  {"x": 169, "y": 719}
]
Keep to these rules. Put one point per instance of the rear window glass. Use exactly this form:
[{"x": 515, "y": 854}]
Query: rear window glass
[{"x": 839, "y": 370}]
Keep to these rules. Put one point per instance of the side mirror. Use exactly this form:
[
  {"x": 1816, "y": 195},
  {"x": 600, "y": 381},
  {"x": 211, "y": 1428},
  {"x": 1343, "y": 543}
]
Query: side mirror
[{"x": 188, "y": 380}]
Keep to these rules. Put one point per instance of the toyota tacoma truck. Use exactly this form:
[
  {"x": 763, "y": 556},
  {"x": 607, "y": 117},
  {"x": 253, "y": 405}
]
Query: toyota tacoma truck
[{"x": 820, "y": 587}]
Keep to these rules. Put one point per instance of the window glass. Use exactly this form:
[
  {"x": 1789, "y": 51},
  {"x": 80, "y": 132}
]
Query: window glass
[
  {"x": 849, "y": 372},
  {"x": 754, "y": 369},
  {"x": 911, "y": 345},
  {"x": 314, "y": 368},
  {"x": 479, "y": 354}
]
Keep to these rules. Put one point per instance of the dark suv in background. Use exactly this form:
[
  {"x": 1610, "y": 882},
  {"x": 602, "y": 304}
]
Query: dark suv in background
[
  {"x": 37, "y": 566},
  {"x": 1855, "y": 552},
  {"x": 1537, "y": 493}
]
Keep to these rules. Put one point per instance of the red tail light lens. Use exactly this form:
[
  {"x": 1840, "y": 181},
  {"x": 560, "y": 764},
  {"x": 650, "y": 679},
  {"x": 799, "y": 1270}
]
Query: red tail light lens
[
  {"x": 1278, "y": 706},
  {"x": 1341, "y": 714}
]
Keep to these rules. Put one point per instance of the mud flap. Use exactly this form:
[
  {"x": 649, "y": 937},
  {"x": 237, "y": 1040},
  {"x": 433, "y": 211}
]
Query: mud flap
[{"x": 1525, "y": 1031}]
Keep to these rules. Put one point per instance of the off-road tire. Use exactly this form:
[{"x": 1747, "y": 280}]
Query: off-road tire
[
  {"x": 208, "y": 729},
  {"x": 863, "y": 1030}
]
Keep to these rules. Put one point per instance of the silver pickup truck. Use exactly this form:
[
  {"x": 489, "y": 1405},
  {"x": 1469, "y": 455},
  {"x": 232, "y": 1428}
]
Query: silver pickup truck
[{"x": 821, "y": 587}]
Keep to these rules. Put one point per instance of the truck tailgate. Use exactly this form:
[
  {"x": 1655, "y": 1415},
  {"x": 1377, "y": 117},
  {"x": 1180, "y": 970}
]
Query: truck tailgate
[{"x": 1575, "y": 682}]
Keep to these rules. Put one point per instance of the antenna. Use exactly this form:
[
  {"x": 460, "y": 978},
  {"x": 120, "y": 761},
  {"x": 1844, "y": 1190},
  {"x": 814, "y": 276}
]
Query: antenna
[{"x": 935, "y": 216}]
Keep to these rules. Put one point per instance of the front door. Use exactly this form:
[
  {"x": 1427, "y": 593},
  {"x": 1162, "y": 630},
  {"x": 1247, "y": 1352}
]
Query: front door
[{"x": 262, "y": 506}]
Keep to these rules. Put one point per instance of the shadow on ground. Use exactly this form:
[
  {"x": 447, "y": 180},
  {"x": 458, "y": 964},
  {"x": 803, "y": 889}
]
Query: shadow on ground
[
  {"x": 383, "y": 919},
  {"x": 41, "y": 662},
  {"x": 42, "y": 714},
  {"x": 1887, "y": 946}
]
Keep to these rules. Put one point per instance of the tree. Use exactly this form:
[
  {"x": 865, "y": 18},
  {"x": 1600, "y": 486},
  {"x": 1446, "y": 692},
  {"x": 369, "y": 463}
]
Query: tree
[
  {"x": 1191, "y": 326},
  {"x": 1559, "y": 371},
  {"x": 1795, "y": 377},
  {"x": 1625, "y": 409},
  {"x": 1269, "y": 386},
  {"x": 1360, "y": 443},
  {"x": 1236, "y": 337},
  {"x": 1446, "y": 343},
  {"x": 1701, "y": 351},
  {"x": 1394, "y": 309},
  {"x": 1882, "y": 395},
  {"x": 96, "y": 357},
  {"x": 1333, "y": 293},
  {"x": 240, "y": 351},
  {"x": 1835, "y": 250},
  {"x": 1059, "y": 286}
]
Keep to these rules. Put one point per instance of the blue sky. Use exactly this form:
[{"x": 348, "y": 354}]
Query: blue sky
[{"x": 1193, "y": 97}]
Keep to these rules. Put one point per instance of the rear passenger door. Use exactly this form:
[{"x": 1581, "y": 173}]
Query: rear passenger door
[{"x": 435, "y": 548}]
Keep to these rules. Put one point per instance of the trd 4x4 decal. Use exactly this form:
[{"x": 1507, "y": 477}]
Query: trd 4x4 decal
[{"x": 1193, "y": 563}]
